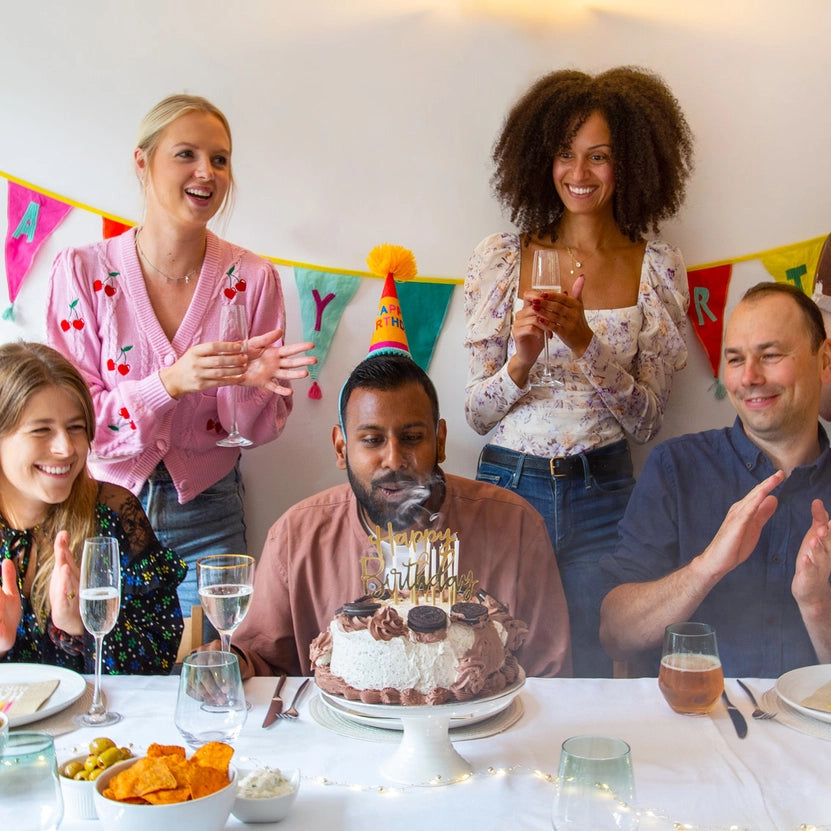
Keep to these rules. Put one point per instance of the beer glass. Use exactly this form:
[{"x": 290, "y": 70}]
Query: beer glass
[{"x": 690, "y": 678}]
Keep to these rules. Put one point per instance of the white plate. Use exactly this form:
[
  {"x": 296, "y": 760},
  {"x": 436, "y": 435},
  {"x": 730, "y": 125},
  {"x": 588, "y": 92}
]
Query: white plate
[
  {"x": 388, "y": 716},
  {"x": 795, "y": 686},
  {"x": 69, "y": 690}
]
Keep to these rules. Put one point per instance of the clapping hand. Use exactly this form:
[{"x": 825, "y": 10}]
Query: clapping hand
[
  {"x": 63, "y": 588},
  {"x": 10, "y": 608}
]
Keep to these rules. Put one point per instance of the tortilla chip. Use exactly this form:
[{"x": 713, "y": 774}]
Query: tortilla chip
[
  {"x": 205, "y": 781},
  {"x": 165, "y": 750},
  {"x": 169, "y": 797},
  {"x": 214, "y": 755}
]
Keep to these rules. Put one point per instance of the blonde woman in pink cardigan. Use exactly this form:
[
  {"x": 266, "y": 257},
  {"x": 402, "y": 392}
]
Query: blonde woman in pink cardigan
[{"x": 139, "y": 315}]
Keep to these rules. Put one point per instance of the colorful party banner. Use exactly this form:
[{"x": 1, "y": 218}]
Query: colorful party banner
[
  {"x": 708, "y": 299},
  {"x": 323, "y": 297},
  {"x": 32, "y": 216},
  {"x": 112, "y": 227},
  {"x": 424, "y": 308},
  {"x": 795, "y": 264}
]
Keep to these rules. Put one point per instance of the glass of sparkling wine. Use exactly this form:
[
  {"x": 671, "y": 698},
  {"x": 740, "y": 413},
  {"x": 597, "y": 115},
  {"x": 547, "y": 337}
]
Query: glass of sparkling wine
[
  {"x": 226, "y": 582},
  {"x": 691, "y": 678},
  {"x": 100, "y": 601},
  {"x": 233, "y": 326},
  {"x": 545, "y": 276}
]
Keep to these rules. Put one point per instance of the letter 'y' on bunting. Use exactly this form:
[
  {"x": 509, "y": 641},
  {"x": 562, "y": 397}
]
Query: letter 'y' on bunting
[
  {"x": 32, "y": 218},
  {"x": 323, "y": 298},
  {"x": 795, "y": 264},
  {"x": 708, "y": 298}
]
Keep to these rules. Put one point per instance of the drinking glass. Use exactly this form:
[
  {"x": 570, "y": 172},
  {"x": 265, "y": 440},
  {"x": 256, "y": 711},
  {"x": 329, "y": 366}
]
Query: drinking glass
[
  {"x": 210, "y": 706},
  {"x": 233, "y": 326},
  {"x": 4, "y": 729},
  {"x": 226, "y": 582},
  {"x": 690, "y": 677},
  {"x": 30, "y": 791},
  {"x": 545, "y": 276},
  {"x": 100, "y": 599},
  {"x": 595, "y": 787}
]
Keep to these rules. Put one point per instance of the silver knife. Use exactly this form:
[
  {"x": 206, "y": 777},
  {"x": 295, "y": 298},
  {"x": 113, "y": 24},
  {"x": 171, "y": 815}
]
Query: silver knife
[
  {"x": 276, "y": 705},
  {"x": 735, "y": 716}
]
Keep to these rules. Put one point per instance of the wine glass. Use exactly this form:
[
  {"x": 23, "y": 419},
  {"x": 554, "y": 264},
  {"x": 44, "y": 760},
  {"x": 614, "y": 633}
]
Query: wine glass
[
  {"x": 545, "y": 276},
  {"x": 99, "y": 595},
  {"x": 595, "y": 786},
  {"x": 690, "y": 678},
  {"x": 226, "y": 582},
  {"x": 233, "y": 326}
]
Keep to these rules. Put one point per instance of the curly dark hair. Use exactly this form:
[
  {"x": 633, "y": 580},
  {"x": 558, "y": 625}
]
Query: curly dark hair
[{"x": 652, "y": 147}]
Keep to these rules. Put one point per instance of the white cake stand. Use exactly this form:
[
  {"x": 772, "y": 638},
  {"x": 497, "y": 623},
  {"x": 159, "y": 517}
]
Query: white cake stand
[{"x": 425, "y": 755}]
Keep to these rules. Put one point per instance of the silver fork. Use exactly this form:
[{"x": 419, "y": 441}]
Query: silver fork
[
  {"x": 758, "y": 713},
  {"x": 292, "y": 710}
]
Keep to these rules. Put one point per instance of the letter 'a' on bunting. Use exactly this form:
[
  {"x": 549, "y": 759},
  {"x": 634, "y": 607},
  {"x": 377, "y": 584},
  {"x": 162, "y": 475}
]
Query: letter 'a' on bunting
[{"x": 392, "y": 262}]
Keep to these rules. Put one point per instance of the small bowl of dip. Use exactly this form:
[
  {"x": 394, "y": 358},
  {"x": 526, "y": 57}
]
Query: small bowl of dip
[{"x": 266, "y": 794}]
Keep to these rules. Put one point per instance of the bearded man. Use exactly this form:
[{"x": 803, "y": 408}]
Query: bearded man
[{"x": 321, "y": 552}]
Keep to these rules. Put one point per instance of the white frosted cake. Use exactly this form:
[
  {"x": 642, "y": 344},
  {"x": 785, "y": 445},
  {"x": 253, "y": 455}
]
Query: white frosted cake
[{"x": 403, "y": 653}]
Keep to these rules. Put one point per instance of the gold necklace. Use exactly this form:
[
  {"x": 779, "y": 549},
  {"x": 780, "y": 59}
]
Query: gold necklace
[
  {"x": 575, "y": 263},
  {"x": 185, "y": 277}
]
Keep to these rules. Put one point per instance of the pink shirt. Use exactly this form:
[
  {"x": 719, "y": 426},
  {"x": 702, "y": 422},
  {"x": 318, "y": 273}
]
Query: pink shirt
[{"x": 100, "y": 316}]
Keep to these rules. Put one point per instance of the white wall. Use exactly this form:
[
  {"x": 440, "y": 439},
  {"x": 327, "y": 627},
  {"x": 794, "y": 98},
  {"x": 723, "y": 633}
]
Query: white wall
[{"x": 355, "y": 125}]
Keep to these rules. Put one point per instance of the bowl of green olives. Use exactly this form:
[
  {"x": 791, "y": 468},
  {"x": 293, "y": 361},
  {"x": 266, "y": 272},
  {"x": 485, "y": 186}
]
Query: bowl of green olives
[{"x": 79, "y": 773}]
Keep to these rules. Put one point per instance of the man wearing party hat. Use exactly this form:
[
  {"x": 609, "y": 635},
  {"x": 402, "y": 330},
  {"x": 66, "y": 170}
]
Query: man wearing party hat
[{"x": 390, "y": 440}]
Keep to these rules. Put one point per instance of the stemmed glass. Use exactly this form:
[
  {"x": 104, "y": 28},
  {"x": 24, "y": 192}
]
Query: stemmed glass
[
  {"x": 233, "y": 326},
  {"x": 226, "y": 582},
  {"x": 99, "y": 596},
  {"x": 545, "y": 276}
]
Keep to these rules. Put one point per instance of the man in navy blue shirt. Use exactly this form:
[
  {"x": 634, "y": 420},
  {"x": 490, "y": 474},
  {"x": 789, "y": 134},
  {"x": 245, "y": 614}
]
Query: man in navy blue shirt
[{"x": 730, "y": 527}]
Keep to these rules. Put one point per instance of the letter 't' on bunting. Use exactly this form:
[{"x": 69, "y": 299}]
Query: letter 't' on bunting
[
  {"x": 323, "y": 298},
  {"x": 708, "y": 299},
  {"x": 795, "y": 264},
  {"x": 32, "y": 217}
]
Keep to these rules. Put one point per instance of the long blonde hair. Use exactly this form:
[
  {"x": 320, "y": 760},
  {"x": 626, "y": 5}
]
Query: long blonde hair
[
  {"x": 26, "y": 369},
  {"x": 166, "y": 112}
]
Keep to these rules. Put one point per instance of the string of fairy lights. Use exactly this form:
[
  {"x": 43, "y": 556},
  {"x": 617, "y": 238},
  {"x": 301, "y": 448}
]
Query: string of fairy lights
[{"x": 641, "y": 816}]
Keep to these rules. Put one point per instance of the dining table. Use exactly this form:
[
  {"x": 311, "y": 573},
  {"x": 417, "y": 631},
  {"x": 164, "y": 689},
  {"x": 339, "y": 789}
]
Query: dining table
[{"x": 691, "y": 772}]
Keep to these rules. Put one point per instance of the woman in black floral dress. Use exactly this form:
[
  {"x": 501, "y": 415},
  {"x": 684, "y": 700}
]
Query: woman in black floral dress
[{"x": 49, "y": 504}]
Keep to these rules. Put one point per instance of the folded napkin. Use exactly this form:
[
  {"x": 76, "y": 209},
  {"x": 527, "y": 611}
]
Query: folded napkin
[
  {"x": 819, "y": 699},
  {"x": 20, "y": 699}
]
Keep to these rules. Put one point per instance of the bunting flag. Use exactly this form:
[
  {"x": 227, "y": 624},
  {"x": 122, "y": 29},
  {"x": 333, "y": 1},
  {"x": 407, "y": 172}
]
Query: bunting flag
[
  {"x": 323, "y": 297},
  {"x": 708, "y": 299},
  {"x": 112, "y": 227},
  {"x": 32, "y": 216},
  {"x": 795, "y": 264},
  {"x": 424, "y": 308}
]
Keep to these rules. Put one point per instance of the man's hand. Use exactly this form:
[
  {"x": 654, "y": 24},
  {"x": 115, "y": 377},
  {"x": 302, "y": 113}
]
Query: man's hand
[{"x": 813, "y": 561}]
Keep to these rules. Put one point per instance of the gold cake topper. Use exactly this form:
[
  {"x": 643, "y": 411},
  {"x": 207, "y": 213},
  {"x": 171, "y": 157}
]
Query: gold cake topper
[{"x": 429, "y": 568}]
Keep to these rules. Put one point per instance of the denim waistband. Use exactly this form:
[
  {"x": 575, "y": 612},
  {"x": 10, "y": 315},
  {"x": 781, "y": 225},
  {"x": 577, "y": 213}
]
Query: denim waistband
[{"x": 611, "y": 460}]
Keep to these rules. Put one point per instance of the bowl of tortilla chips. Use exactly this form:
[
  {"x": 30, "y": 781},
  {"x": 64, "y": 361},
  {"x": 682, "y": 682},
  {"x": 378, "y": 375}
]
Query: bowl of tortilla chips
[{"x": 167, "y": 787}]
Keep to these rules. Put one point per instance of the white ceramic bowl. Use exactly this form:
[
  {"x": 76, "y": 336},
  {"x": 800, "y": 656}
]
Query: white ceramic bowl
[
  {"x": 77, "y": 793},
  {"x": 210, "y": 813},
  {"x": 268, "y": 809}
]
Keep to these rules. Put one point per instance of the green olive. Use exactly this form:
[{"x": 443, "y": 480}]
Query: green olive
[
  {"x": 91, "y": 762},
  {"x": 98, "y": 746},
  {"x": 71, "y": 768},
  {"x": 109, "y": 757},
  {"x": 94, "y": 774},
  {"x": 81, "y": 775},
  {"x": 126, "y": 753}
]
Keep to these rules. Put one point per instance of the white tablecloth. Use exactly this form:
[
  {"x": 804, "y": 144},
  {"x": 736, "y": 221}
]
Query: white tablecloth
[{"x": 691, "y": 770}]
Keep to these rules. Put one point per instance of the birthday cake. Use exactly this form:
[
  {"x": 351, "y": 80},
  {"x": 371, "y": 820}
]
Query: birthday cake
[{"x": 385, "y": 650}]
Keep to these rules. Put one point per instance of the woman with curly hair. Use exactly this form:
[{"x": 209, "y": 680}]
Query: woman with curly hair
[
  {"x": 587, "y": 166},
  {"x": 49, "y": 504}
]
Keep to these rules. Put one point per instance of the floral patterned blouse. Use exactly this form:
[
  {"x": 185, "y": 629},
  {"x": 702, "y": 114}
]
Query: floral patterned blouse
[
  {"x": 146, "y": 636},
  {"x": 618, "y": 387}
]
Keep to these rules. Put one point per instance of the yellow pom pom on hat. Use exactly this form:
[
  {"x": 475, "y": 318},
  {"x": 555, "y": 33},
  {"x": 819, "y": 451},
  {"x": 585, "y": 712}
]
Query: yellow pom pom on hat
[{"x": 393, "y": 262}]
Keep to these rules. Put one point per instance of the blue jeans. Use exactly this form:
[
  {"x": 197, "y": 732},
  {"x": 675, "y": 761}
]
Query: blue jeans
[
  {"x": 581, "y": 513},
  {"x": 211, "y": 523}
]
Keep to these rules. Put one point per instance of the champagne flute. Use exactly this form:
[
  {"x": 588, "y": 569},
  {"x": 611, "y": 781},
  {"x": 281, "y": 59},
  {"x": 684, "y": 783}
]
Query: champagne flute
[
  {"x": 545, "y": 276},
  {"x": 226, "y": 582},
  {"x": 233, "y": 326},
  {"x": 100, "y": 599}
]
